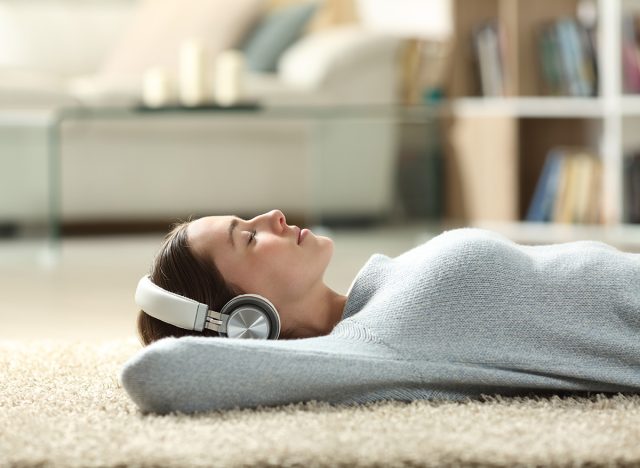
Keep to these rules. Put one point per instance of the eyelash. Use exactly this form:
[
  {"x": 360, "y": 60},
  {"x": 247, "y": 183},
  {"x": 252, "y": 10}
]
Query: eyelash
[{"x": 252, "y": 236}]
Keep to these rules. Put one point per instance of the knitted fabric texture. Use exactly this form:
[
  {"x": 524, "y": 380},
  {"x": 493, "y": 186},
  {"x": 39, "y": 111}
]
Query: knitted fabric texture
[{"x": 465, "y": 314}]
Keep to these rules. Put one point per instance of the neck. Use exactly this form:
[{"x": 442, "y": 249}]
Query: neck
[{"x": 318, "y": 313}]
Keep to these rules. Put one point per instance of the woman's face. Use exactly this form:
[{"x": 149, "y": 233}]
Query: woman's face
[{"x": 262, "y": 255}]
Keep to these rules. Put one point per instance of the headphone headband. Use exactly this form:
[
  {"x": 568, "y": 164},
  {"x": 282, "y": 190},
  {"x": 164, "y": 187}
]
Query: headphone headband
[
  {"x": 245, "y": 316},
  {"x": 170, "y": 307}
]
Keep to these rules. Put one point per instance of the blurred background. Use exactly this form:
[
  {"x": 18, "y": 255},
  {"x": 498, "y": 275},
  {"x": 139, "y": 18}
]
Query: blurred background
[{"x": 380, "y": 123}]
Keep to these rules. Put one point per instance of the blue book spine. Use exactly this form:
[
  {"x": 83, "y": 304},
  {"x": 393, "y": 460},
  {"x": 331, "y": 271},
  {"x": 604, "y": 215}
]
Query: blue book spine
[
  {"x": 568, "y": 57},
  {"x": 547, "y": 49},
  {"x": 561, "y": 81},
  {"x": 557, "y": 160},
  {"x": 579, "y": 58},
  {"x": 541, "y": 206}
]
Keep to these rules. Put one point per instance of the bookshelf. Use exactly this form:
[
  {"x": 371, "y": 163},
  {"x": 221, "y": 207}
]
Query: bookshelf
[{"x": 497, "y": 144}]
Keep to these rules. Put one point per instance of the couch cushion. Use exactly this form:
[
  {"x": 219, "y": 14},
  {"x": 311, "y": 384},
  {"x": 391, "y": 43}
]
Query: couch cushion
[
  {"x": 63, "y": 37},
  {"x": 275, "y": 33},
  {"x": 159, "y": 27}
]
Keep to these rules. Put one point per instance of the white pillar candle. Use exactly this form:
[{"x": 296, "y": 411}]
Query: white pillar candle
[
  {"x": 192, "y": 73},
  {"x": 229, "y": 73},
  {"x": 156, "y": 88}
]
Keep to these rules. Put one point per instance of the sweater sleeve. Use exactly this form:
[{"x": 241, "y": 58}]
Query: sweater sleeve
[{"x": 193, "y": 374}]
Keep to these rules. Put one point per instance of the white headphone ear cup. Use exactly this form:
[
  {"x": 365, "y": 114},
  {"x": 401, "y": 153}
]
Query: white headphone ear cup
[{"x": 252, "y": 310}]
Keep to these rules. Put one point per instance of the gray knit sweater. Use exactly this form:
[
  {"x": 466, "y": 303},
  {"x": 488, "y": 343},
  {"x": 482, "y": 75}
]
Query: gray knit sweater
[{"x": 467, "y": 313}]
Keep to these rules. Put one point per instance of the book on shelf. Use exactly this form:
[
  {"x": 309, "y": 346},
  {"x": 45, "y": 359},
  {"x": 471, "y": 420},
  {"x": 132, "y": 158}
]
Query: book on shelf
[
  {"x": 565, "y": 192},
  {"x": 568, "y": 189},
  {"x": 489, "y": 56},
  {"x": 424, "y": 66},
  {"x": 568, "y": 59},
  {"x": 632, "y": 188},
  {"x": 631, "y": 52},
  {"x": 541, "y": 205}
]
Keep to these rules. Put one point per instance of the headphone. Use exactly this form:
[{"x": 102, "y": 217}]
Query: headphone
[{"x": 244, "y": 316}]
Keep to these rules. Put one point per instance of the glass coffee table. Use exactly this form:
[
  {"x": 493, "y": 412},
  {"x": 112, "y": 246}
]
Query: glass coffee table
[{"x": 348, "y": 135}]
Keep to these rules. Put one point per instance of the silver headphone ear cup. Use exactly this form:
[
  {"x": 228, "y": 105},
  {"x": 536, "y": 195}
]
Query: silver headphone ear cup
[{"x": 251, "y": 316}]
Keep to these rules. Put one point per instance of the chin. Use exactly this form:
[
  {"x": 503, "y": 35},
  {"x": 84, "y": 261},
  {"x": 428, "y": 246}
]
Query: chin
[
  {"x": 328, "y": 245},
  {"x": 325, "y": 240}
]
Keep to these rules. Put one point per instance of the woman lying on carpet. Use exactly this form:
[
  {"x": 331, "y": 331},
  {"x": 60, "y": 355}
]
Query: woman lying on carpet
[{"x": 467, "y": 313}]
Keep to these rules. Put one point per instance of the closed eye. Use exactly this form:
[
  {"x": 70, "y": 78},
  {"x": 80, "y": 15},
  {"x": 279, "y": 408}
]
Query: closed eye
[{"x": 252, "y": 236}]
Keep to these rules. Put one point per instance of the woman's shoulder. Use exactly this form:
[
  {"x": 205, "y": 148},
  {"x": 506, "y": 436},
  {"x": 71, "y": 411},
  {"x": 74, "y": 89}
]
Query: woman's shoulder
[
  {"x": 456, "y": 241},
  {"x": 470, "y": 234}
]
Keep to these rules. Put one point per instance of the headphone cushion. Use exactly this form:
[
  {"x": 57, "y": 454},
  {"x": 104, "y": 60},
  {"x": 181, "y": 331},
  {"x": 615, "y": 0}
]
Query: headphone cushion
[{"x": 259, "y": 304}]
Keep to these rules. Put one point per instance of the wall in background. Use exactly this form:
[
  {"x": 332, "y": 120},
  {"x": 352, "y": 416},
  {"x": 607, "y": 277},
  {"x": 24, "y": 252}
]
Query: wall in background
[{"x": 428, "y": 19}]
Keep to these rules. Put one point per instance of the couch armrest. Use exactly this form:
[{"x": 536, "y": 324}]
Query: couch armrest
[{"x": 348, "y": 62}]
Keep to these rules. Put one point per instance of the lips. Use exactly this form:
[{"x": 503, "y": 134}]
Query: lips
[{"x": 299, "y": 232}]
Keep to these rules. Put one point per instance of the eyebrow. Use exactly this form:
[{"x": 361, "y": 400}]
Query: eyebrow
[{"x": 232, "y": 226}]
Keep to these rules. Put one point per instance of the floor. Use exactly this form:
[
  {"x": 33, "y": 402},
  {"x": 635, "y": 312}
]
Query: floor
[{"x": 83, "y": 288}]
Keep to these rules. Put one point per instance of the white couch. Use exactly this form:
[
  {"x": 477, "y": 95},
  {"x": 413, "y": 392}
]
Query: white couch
[{"x": 152, "y": 168}]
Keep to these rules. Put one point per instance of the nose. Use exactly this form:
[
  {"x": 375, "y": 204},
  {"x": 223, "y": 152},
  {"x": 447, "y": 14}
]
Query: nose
[
  {"x": 275, "y": 220},
  {"x": 278, "y": 219}
]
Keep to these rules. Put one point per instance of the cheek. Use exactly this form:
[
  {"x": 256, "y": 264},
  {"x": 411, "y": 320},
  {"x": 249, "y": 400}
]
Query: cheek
[
  {"x": 274, "y": 265},
  {"x": 267, "y": 267},
  {"x": 240, "y": 270}
]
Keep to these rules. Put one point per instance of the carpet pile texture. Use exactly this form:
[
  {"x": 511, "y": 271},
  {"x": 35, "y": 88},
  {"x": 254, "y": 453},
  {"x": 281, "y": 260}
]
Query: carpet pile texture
[{"x": 61, "y": 405}]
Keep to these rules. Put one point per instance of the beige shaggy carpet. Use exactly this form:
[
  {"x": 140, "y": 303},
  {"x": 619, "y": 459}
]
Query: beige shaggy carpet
[{"x": 61, "y": 405}]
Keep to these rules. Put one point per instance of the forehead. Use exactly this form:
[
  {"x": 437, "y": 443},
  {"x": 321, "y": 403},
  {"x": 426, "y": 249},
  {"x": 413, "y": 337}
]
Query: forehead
[{"x": 209, "y": 230}]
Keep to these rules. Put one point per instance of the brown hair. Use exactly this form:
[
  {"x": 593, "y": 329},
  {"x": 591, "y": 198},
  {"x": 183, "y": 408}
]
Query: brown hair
[{"x": 176, "y": 269}]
